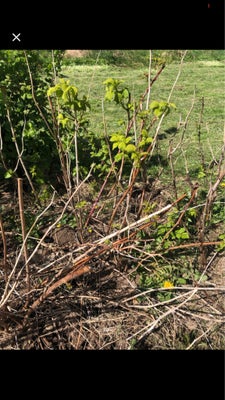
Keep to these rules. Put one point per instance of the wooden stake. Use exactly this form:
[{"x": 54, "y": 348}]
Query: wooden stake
[
  {"x": 23, "y": 227},
  {"x": 4, "y": 250}
]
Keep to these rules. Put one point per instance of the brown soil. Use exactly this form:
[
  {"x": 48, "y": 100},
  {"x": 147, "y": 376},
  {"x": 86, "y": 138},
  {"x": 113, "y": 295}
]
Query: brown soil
[{"x": 76, "y": 53}]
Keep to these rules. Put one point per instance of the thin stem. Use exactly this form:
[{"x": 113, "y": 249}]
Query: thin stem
[
  {"x": 19, "y": 153},
  {"x": 34, "y": 97},
  {"x": 149, "y": 80},
  {"x": 76, "y": 154},
  {"x": 178, "y": 75}
]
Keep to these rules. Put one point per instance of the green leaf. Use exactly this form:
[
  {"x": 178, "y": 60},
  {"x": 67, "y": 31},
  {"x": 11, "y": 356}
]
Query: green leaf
[
  {"x": 70, "y": 95},
  {"x": 158, "y": 112},
  {"x": 125, "y": 93},
  {"x": 62, "y": 120},
  {"x": 167, "y": 244},
  {"x": 143, "y": 114},
  {"x": 112, "y": 82},
  {"x": 134, "y": 156},
  {"x": 51, "y": 91},
  {"x": 81, "y": 204},
  {"x": 115, "y": 145},
  {"x": 192, "y": 212},
  {"x": 142, "y": 143},
  {"x": 130, "y": 148},
  {"x": 33, "y": 171},
  {"x": 201, "y": 174},
  {"x": 109, "y": 95},
  {"x": 181, "y": 233},
  {"x": 149, "y": 140},
  {"x": 159, "y": 108},
  {"x": 8, "y": 174},
  {"x": 154, "y": 105},
  {"x": 116, "y": 137},
  {"x": 144, "y": 133},
  {"x": 122, "y": 146},
  {"x": 181, "y": 281},
  {"x": 161, "y": 230},
  {"x": 118, "y": 157}
]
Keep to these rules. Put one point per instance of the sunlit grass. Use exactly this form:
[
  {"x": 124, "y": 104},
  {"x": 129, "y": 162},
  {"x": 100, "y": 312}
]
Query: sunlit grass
[{"x": 200, "y": 84}]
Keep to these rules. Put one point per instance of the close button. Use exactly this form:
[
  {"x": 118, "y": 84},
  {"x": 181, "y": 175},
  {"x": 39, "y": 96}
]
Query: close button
[{"x": 16, "y": 37}]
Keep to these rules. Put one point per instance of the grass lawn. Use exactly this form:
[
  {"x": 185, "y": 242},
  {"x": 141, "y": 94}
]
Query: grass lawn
[{"x": 199, "y": 82}]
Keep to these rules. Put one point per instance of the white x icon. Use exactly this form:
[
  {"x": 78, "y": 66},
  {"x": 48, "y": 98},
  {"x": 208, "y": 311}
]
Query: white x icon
[{"x": 16, "y": 37}]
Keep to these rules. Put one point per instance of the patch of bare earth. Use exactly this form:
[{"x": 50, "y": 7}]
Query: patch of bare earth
[{"x": 76, "y": 53}]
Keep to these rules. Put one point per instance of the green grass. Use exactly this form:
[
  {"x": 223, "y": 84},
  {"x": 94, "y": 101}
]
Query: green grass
[
  {"x": 204, "y": 77},
  {"x": 139, "y": 58}
]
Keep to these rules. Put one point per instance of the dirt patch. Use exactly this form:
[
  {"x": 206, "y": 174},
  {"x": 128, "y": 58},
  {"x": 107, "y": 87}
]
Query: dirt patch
[
  {"x": 218, "y": 271},
  {"x": 65, "y": 236},
  {"x": 76, "y": 53}
]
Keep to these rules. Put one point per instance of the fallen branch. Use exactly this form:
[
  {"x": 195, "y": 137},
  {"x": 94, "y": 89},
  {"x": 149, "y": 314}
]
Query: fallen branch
[
  {"x": 198, "y": 244},
  {"x": 72, "y": 275}
]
